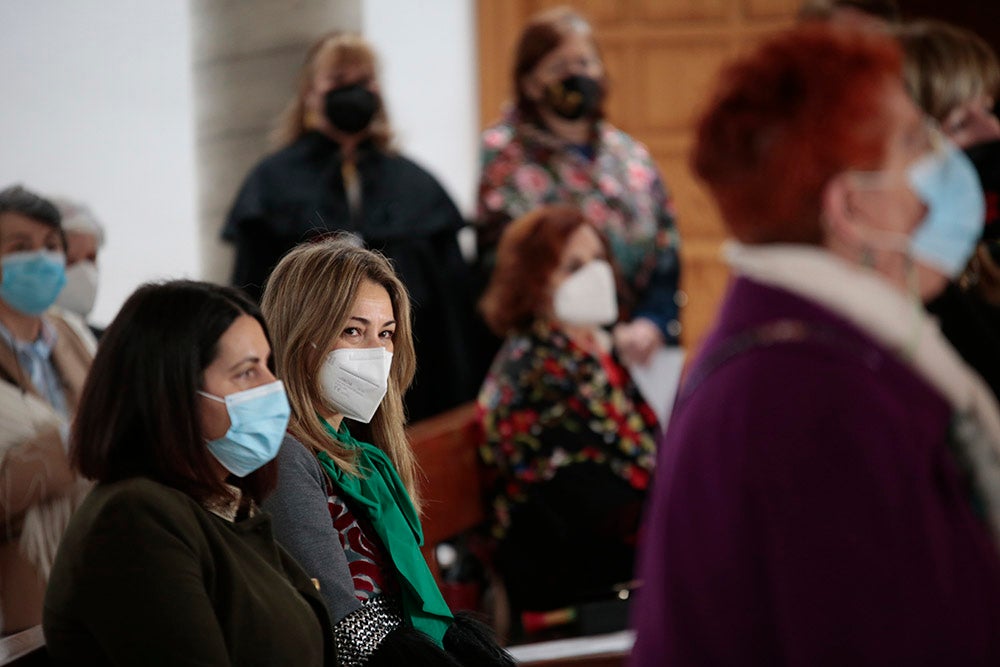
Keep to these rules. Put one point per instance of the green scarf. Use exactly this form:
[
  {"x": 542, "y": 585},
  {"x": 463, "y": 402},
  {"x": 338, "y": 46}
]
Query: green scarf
[{"x": 380, "y": 491}]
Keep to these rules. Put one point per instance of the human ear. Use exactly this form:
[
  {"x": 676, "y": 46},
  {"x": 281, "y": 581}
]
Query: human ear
[{"x": 838, "y": 213}]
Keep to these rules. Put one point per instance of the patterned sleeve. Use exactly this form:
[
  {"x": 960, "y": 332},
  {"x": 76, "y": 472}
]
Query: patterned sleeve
[
  {"x": 496, "y": 191},
  {"x": 660, "y": 302}
]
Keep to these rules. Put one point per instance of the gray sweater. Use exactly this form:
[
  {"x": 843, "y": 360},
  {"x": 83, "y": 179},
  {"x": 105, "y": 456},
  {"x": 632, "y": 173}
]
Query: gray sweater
[{"x": 302, "y": 525}]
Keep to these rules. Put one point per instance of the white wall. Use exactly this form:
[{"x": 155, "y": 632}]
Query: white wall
[
  {"x": 428, "y": 59},
  {"x": 97, "y": 107}
]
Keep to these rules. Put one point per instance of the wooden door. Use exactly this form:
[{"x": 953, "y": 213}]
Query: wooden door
[{"x": 662, "y": 57}]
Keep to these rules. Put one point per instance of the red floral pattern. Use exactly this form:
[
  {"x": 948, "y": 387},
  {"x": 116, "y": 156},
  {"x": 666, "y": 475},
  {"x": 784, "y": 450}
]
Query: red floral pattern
[{"x": 548, "y": 403}]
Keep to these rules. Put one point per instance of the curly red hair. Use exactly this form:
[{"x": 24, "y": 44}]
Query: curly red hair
[
  {"x": 528, "y": 252},
  {"x": 804, "y": 106}
]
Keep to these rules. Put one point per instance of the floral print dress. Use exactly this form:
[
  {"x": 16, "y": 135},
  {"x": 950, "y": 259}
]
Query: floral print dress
[
  {"x": 617, "y": 186},
  {"x": 569, "y": 449},
  {"x": 547, "y": 404}
]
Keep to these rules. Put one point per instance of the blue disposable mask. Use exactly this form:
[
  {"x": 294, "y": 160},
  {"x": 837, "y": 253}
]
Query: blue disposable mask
[
  {"x": 258, "y": 418},
  {"x": 946, "y": 182},
  {"x": 32, "y": 280}
]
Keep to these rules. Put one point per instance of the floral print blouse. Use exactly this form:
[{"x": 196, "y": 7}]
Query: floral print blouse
[
  {"x": 548, "y": 403},
  {"x": 617, "y": 186}
]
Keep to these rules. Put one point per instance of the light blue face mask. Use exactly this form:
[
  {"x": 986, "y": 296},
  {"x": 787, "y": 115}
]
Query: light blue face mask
[
  {"x": 31, "y": 281},
  {"x": 258, "y": 419},
  {"x": 946, "y": 182}
]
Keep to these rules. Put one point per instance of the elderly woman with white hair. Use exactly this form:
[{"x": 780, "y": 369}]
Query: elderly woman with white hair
[{"x": 84, "y": 238}]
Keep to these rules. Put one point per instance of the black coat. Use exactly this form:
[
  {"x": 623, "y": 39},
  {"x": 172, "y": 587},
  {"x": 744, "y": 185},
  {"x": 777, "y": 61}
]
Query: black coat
[{"x": 298, "y": 193}]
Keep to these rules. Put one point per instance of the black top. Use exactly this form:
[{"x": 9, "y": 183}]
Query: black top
[
  {"x": 147, "y": 576},
  {"x": 298, "y": 193}
]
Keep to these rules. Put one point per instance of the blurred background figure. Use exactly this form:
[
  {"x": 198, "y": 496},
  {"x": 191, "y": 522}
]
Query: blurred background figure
[
  {"x": 954, "y": 76},
  {"x": 179, "y": 424},
  {"x": 853, "y": 470},
  {"x": 84, "y": 239},
  {"x": 44, "y": 359},
  {"x": 554, "y": 146},
  {"x": 569, "y": 439},
  {"x": 336, "y": 170},
  {"x": 852, "y": 13}
]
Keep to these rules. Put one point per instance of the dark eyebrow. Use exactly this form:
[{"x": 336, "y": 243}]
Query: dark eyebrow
[
  {"x": 252, "y": 359},
  {"x": 368, "y": 322}
]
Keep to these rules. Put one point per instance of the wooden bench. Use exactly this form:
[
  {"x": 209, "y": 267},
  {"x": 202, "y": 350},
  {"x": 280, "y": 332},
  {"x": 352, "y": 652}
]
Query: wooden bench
[{"x": 446, "y": 447}]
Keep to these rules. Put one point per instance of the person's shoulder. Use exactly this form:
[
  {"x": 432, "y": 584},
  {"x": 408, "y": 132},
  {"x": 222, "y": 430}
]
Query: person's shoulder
[
  {"x": 133, "y": 506},
  {"x": 408, "y": 169},
  {"x": 295, "y": 459},
  {"x": 499, "y": 136},
  {"x": 616, "y": 140},
  {"x": 143, "y": 495},
  {"x": 69, "y": 323}
]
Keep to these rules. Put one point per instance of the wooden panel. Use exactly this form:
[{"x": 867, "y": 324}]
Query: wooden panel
[
  {"x": 770, "y": 8},
  {"x": 683, "y": 71},
  {"x": 599, "y": 12},
  {"x": 683, "y": 10},
  {"x": 662, "y": 57},
  {"x": 619, "y": 64}
]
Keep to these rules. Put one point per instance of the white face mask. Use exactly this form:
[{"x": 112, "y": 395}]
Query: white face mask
[
  {"x": 588, "y": 297},
  {"x": 81, "y": 288},
  {"x": 354, "y": 381}
]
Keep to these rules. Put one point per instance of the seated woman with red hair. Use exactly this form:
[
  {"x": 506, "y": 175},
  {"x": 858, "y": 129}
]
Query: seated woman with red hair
[
  {"x": 567, "y": 433},
  {"x": 828, "y": 490}
]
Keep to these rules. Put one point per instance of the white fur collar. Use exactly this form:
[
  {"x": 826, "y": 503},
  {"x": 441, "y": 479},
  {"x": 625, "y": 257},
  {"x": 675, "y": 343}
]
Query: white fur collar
[{"x": 892, "y": 317}]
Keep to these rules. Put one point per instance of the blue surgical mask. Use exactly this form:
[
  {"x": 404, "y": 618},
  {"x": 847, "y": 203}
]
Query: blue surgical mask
[
  {"x": 31, "y": 281},
  {"x": 258, "y": 418},
  {"x": 946, "y": 182}
]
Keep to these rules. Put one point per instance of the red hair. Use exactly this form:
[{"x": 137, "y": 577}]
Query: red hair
[
  {"x": 529, "y": 251},
  {"x": 803, "y": 107}
]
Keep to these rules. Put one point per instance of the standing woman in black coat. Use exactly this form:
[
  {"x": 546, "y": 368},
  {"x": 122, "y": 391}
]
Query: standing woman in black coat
[{"x": 336, "y": 170}]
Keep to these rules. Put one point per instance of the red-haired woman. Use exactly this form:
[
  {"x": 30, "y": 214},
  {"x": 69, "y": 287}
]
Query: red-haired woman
[
  {"x": 828, "y": 491},
  {"x": 554, "y": 146},
  {"x": 570, "y": 438}
]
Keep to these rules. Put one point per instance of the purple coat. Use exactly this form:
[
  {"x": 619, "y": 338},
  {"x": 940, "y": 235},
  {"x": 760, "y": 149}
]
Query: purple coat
[{"x": 807, "y": 510}]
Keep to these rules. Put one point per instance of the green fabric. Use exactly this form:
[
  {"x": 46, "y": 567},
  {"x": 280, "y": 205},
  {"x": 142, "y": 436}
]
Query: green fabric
[{"x": 380, "y": 491}]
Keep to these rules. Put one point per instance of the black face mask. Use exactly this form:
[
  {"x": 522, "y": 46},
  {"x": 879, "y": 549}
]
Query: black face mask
[
  {"x": 575, "y": 97},
  {"x": 350, "y": 108}
]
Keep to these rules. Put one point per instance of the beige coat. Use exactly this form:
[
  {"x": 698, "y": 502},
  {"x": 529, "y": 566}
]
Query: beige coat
[{"x": 38, "y": 490}]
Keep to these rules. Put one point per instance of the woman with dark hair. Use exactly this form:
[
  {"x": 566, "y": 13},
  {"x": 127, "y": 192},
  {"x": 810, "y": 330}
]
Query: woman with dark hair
[
  {"x": 347, "y": 504},
  {"x": 569, "y": 438},
  {"x": 828, "y": 490},
  {"x": 336, "y": 170},
  {"x": 554, "y": 146},
  {"x": 169, "y": 559}
]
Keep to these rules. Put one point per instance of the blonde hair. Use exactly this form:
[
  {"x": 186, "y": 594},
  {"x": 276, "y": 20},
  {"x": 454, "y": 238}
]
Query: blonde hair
[
  {"x": 328, "y": 53},
  {"x": 946, "y": 66},
  {"x": 307, "y": 303}
]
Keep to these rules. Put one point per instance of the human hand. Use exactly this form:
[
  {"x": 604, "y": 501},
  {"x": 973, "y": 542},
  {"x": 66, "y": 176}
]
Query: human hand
[{"x": 637, "y": 340}]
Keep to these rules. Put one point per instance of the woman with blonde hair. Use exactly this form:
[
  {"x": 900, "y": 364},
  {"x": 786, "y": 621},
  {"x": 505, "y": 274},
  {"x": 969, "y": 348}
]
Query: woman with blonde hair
[
  {"x": 347, "y": 503},
  {"x": 336, "y": 170},
  {"x": 954, "y": 76}
]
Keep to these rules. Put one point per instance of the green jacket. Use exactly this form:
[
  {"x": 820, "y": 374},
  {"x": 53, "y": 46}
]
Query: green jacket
[{"x": 146, "y": 576}]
